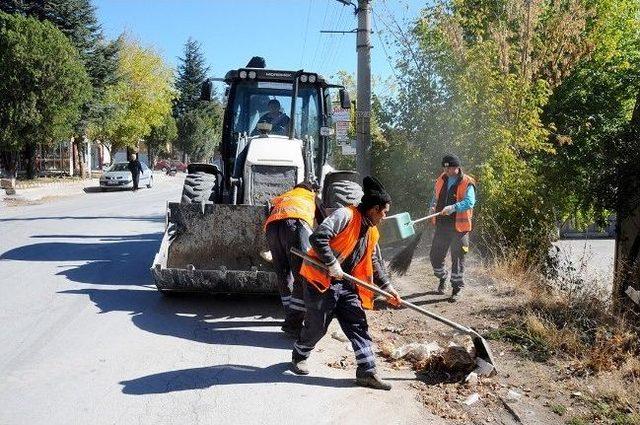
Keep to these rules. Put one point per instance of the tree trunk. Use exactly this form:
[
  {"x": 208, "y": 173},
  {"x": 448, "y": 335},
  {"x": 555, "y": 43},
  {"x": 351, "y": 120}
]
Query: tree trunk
[
  {"x": 30, "y": 159},
  {"x": 626, "y": 287},
  {"x": 79, "y": 167},
  {"x": 150, "y": 157},
  {"x": 8, "y": 164},
  {"x": 82, "y": 159},
  {"x": 100, "y": 155},
  {"x": 74, "y": 156}
]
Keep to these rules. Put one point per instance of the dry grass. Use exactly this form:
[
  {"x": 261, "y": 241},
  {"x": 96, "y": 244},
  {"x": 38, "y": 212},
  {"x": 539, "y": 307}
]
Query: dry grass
[{"x": 572, "y": 322}]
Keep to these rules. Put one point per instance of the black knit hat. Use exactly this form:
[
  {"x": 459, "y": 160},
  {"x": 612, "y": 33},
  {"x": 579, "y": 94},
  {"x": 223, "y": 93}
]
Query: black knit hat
[
  {"x": 374, "y": 193},
  {"x": 450, "y": 160}
]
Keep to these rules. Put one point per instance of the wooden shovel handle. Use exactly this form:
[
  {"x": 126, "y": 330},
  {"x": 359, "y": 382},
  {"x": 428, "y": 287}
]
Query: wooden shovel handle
[{"x": 388, "y": 295}]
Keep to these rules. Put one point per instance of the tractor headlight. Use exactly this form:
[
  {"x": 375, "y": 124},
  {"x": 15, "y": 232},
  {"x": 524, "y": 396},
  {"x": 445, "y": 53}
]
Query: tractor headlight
[
  {"x": 303, "y": 78},
  {"x": 243, "y": 74},
  {"x": 252, "y": 74},
  {"x": 312, "y": 78}
]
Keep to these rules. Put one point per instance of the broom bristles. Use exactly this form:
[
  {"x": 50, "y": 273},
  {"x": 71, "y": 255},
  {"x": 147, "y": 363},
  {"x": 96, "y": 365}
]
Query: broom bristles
[{"x": 400, "y": 263}]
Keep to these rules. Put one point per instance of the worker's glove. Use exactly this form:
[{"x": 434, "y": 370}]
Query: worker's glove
[
  {"x": 449, "y": 209},
  {"x": 335, "y": 271},
  {"x": 395, "y": 300}
]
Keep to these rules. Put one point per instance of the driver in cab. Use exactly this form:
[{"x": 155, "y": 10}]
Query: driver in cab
[{"x": 279, "y": 121}]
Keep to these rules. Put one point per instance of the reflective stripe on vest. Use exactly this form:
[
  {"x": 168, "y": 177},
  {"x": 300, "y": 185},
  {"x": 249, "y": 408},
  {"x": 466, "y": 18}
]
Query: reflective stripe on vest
[
  {"x": 343, "y": 244},
  {"x": 462, "y": 219},
  {"x": 296, "y": 203}
]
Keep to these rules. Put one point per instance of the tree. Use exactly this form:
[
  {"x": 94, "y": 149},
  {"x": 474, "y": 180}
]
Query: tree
[
  {"x": 77, "y": 20},
  {"x": 139, "y": 101},
  {"x": 43, "y": 83},
  {"x": 161, "y": 138},
  {"x": 198, "y": 122},
  {"x": 199, "y": 132},
  {"x": 590, "y": 109},
  {"x": 192, "y": 71}
]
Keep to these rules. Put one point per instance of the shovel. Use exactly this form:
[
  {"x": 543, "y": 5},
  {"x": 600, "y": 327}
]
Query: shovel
[
  {"x": 484, "y": 357},
  {"x": 398, "y": 229}
]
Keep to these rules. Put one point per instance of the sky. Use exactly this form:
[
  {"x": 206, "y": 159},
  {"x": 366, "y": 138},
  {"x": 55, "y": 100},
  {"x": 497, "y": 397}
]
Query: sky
[{"x": 285, "y": 32}]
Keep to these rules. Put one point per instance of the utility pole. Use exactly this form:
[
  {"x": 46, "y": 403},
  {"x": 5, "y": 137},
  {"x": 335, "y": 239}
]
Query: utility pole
[{"x": 363, "y": 107}]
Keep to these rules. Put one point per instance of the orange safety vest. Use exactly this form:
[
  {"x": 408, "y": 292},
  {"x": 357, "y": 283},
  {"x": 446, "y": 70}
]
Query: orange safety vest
[
  {"x": 296, "y": 203},
  {"x": 343, "y": 245},
  {"x": 463, "y": 219}
]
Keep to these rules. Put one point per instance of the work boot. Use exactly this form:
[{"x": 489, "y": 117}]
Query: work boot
[
  {"x": 441, "y": 285},
  {"x": 455, "y": 294},
  {"x": 291, "y": 330},
  {"x": 299, "y": 367},
  {"x": 372, "y": 380}
]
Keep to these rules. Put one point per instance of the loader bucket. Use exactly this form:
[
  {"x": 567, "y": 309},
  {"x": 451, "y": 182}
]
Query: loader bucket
[{"x": 214, "y": 248}]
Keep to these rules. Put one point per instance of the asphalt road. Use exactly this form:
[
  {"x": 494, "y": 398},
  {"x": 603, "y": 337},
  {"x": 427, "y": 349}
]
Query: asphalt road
[
  {"x": 86, "y": 338},
  {"x": 590, "y": 259}
]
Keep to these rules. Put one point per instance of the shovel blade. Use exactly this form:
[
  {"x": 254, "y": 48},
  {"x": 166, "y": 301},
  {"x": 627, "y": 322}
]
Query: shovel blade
[
  {"x": 395, "y": 228},
  {"x": 484, "y": 358}
]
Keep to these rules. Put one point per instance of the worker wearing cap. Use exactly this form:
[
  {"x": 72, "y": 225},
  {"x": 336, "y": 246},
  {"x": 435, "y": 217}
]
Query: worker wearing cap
[
  {"x": 288, "y": 226},
  {"x": 454, "y": 196},
  {"x": 346, "y": 240}
]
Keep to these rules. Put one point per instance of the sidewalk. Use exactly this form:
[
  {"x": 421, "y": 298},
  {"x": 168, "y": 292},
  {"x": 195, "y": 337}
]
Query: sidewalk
[{"x": 35, "y": 193}]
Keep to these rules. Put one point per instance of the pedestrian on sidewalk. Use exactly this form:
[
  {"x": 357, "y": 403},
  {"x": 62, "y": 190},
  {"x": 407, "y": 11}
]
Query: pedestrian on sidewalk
[
  {"x": 455, "y": 196},
  {"x": 288, "y": 226},
  {"x": 136, "y": 168},
  {"x": 346, "y": 240}
]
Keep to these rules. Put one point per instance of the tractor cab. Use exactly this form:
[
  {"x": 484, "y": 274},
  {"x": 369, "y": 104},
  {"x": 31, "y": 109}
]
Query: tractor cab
[{"x": 275, "y": 132}]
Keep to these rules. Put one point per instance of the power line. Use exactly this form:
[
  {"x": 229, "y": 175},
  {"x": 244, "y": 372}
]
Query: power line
[
  {"x": 383, "y": 44},
  {"x": 398, "y": 34},
  {"x": 333, "y": 52},
  {"x": 306, "y": 31},
  {"x": 319, "y": 38}
]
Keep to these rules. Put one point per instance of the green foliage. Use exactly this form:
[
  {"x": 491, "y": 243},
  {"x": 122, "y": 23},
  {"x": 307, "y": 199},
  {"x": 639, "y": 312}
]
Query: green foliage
[
  {"x": 590, "y": 111},
  {"x": 77, "y": 20},
  {"x": 162, "y": 137},
  {"x": 528, "y": 344},
  {"x": 199, "y": 123},
  {"x": 558, "y": 409},
  {"x": 140, "y": 100},
  {"x": 192, "y": 71},
  {"x": 43, "y": 83},
  {"x": 199, "y": 131},
  {"x": 531, "y": 95}
]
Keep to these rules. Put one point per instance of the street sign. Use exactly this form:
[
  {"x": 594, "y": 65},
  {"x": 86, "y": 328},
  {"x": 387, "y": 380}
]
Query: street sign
[
  {"x": 341, "y": 115},
  {"x": 349, "y": 148},
  {"x": 326, "y": 131},
  {"x": 342, "y": 130}
]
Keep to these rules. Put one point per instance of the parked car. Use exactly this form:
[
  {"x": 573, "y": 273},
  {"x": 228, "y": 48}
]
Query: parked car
[
  {"x": 167, "y": 164},
  {"x": 118, "y": 176}
]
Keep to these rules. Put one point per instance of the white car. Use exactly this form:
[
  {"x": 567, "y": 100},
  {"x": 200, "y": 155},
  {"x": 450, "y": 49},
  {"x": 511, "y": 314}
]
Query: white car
[{"x": 118, "y": 176}]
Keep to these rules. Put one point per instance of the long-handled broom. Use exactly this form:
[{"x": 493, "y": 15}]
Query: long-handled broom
[{"x": 484, "y": 357}]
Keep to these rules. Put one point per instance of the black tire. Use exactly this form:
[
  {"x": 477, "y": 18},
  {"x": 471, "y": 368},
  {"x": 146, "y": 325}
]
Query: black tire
[
  {"x": 341, "y": 189},
  {"x": 199, "y": 187}
]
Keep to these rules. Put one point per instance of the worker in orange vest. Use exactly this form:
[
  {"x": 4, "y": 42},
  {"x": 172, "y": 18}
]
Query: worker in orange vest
[
  {"x": 288, "y": 226},
  {"x": 454, "y": 197},
  {"x": 346, "y": 240}
]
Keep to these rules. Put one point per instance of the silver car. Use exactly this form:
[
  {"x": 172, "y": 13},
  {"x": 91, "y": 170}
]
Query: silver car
[{"x": 118, "y": 176}]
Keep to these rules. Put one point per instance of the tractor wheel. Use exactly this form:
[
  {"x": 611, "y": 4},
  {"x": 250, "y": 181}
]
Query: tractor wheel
[{"x": 199, "y": 187}]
